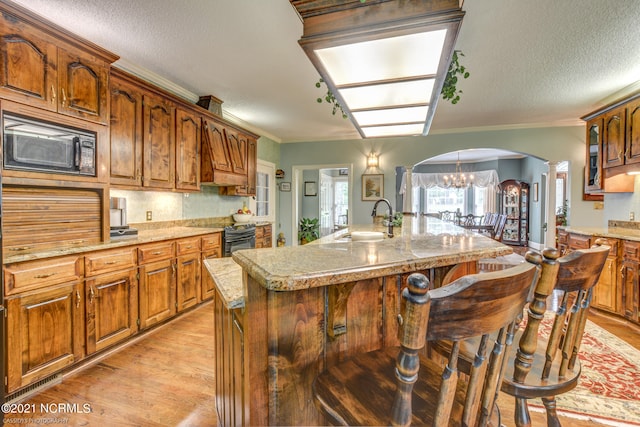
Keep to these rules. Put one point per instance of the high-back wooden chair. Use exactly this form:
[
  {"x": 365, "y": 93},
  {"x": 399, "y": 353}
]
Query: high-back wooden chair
[
  {"x": 401, "y": 386},
  {"x": 546, "y": 367},
  {"x": 499, "y": 227},
  {"x": 447, "y": 216}
]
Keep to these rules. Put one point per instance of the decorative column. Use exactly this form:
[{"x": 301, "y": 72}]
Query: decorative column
[
  {"x": 550, "y": 235},
  {"x": 407, "y": 200}
]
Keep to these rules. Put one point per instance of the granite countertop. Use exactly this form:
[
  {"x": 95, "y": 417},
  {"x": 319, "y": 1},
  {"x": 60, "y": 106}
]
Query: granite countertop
[
  {"x": 144, "y": 236},
  {"x": 615, "y": 229},
  {"x": 227, "y": 276},
  {"x": 421, "y": 243}
]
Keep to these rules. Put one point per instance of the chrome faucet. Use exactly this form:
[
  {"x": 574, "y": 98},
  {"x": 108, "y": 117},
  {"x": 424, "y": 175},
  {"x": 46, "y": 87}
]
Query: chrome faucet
[{"x": 374, "y": 213}]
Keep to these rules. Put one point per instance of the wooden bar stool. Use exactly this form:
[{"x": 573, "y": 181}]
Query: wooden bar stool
[{"x": 401, "y": 386}]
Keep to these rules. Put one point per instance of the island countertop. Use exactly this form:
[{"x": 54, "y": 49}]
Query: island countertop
[{"x": 421, "y": 243}]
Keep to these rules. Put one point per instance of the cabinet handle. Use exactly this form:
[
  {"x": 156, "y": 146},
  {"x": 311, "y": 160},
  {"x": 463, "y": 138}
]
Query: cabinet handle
[
  {"x": 44, "y": 276},
  {"x": 110, "y": 262},
  {"x": 78, "y": 299},
  {"x": 156, "y": 253},
  {"x": 64, "y": 98},
  {"x": 620, "y": 153},
  {"x": 622, "y": 272},
  {"x": 22, "y": 248},
  {"x": 92, "y": 294},
  {"x": 53, "y": 94}
]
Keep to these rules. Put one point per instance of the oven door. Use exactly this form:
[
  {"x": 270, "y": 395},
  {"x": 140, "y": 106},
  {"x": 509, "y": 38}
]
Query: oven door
[{"x": 239, "y": 238}]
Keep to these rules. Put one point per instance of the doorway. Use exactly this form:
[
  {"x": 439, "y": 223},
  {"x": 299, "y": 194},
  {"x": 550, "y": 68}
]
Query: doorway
[{"x": 331, "y": 203}]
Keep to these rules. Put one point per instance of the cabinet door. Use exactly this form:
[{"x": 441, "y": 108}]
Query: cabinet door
[
  {"x": 605, "y": 293},
  {"x": 252, "y": 166},
  {"x": 613, "y": 138},
  {"x": 187, "y": 150},
  {"x": 237, "y": 151},
  {"x": 45, "y": 333},
  {"x": 630, "y": 289},
  {"x": 159, "y": 153},
  {"x": 28, "y": 71},
  {"x": 592, "y": 172},
  {"x": 83, "y": 85},
  {"x": 188, "y": 286},
  {"x": 632, "y": 154},
  {"x": 157, "y": 292},
  {"x": 207, "y": 286},
  {"x": 217, "y": 154},
  {"x": 112, "y": 309},
  {"x": 126, "y": 134}
]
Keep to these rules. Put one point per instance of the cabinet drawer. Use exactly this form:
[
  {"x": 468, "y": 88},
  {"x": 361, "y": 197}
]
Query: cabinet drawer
[
  {"x": 211, "y": 241},
  {"x": 578, "y": 241},
  {"x": 259, "y": 232},
  {"x": 187, "y": 246},
  {"x": 613, "y": 243},
  {"x": 631, "y": 250},
  {"x": 563, "y": 237},
  {"x": 107, "y": 261},
  {"x": 155, "y": 252},
  {"x": 24, "y": 276}
]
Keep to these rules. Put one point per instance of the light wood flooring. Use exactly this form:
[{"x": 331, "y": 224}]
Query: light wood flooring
[{"x": 167, "y": 379}]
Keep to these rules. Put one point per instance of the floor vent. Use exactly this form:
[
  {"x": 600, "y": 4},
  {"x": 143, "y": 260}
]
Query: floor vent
[{"x": 34, "y": 388}]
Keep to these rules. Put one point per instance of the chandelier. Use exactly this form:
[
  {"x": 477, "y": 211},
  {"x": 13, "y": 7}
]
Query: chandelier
[{"x": 459, "y": 179}]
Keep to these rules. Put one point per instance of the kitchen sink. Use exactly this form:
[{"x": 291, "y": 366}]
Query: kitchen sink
[{"x": 362, "y": 236}]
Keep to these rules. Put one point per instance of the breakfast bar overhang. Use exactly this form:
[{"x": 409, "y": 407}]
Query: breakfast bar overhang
[{"x": 304, "y": 308}]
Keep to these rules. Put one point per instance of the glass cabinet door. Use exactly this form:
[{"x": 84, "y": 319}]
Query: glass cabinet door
[{"x": 593, "y": 164}]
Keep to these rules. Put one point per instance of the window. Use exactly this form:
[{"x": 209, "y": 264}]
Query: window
[{"x": 263, "y": 204}]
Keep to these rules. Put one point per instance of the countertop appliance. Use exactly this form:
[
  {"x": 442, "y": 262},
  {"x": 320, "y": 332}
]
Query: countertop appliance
[
  {"x": 118, "y": 219},
  {"x": 239, "y": 236},
  {"x": 35, "y": 145}
]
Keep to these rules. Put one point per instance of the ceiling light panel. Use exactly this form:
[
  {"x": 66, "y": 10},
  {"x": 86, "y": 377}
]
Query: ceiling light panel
[
  {"x": 388, "y": 94},
  {"x": 384, "y": 59},
  {"x": 396, "y": 130},
  {"x": 391, "y": 115}
]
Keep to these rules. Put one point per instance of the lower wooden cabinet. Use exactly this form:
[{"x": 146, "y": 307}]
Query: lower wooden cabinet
[
  {"x": 629, "y": 279},
  {"x": 211, "y": 248},
  {"x": 188, "y": 292},
  {"x": 111, "y": 309},
  {"x": 264, "y": 236},
  {"x": 45, "y": 333},
  {"x": 606, "y": 295},
  {"x": 157, "y": 292}
]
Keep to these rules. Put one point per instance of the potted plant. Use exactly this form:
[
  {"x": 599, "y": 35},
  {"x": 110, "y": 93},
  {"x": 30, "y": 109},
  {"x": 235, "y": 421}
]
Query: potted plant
[{"x": 308, "y": 230}]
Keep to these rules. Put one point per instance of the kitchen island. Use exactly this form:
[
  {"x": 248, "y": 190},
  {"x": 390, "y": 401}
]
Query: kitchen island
[{"x": 307, "y": 307}]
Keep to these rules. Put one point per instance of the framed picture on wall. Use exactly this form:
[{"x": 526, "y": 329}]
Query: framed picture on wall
[
  {"x": 372, "y": 187},
  {"x": 285, "y": 186},
  {"x": 310, "y": 188}
]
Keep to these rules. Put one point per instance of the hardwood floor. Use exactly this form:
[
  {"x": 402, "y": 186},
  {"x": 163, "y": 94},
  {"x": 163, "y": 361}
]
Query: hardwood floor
[{"x": 166, "y": 379}]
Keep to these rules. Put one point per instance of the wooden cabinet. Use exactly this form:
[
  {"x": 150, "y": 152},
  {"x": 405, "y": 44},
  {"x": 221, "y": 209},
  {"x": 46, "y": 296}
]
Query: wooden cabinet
[
  {"x": 579, "y": 241},
  {"x": 593, "y": 164},
  {"x": 613, "y": 138},
  {"x": 229, "y": 159},
  {"x": 188, "y": 272},
  {"x": 126, "y": 133},
  {"x": 629, "y": 279},
  {"x": 211, "y": 248},
  {"x": 45, "y": 333},
  {"x": 563, "y": 241},
  {"x": 606, "y": 295},
  {"x": 188, "y": 131},
  {"x": 44, "y": 67},
  {"x": 111, "y": 295},
  {"x": 158, "y": 125},
  {"x": 157, "y": 296},
  {"x": 613, "y": 147},
  {"x": 229, "y": 365},
  {"x": 264, "y": 236}
]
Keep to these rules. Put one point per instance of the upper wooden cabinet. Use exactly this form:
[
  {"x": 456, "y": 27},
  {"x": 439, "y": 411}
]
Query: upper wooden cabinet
[
  {"x": 187, "y": 150},
  {"x": 126, "y": 133},
  {"x": 158, "y": 125},
  {"x": 612, "y": 147},
  {"x": 44, "y": 66}
]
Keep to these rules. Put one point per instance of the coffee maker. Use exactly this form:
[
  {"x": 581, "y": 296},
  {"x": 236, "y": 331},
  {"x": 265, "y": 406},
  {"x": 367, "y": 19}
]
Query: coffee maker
[{"x": 118, "y": 218}]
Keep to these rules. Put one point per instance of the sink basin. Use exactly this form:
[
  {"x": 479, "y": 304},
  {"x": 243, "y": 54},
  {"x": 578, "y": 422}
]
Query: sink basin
[{"x": 367, "y": 236}]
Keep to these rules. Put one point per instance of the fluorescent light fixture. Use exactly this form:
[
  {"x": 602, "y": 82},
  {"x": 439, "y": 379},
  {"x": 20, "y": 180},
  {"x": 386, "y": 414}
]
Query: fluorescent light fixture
[{"x": 384, "y": 61}]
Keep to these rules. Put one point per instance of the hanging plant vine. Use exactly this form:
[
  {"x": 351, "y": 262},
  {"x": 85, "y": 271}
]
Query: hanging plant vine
[
  {"x": 449, "y": 90},
  {"x": 331, "y": 99}
]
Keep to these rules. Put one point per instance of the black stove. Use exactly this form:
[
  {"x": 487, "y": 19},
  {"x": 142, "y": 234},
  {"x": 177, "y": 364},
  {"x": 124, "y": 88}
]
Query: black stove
[{"x": 239, "y": 236}]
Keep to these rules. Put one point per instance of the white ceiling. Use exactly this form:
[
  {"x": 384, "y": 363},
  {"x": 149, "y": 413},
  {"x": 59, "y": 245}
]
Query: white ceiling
[{"x": 532, "y": 63}]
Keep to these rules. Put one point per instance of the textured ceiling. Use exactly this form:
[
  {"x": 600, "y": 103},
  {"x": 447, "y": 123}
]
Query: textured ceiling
[{"x": 532, "y": 63}]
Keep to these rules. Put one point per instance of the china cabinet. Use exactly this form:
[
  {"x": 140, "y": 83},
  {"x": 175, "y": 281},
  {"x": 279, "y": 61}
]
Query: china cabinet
[{"x": 515, "y": 204}]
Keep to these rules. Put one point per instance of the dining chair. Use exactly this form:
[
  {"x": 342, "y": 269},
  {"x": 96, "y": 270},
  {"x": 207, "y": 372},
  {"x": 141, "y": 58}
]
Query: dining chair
[
  {"x": 545, "y": 366},
  {"x": 401, "y": 386},
  {"x": 496, "y": 234}
]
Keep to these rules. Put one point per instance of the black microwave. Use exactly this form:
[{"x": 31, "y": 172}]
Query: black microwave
[{"x": 33, "y": 145}]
